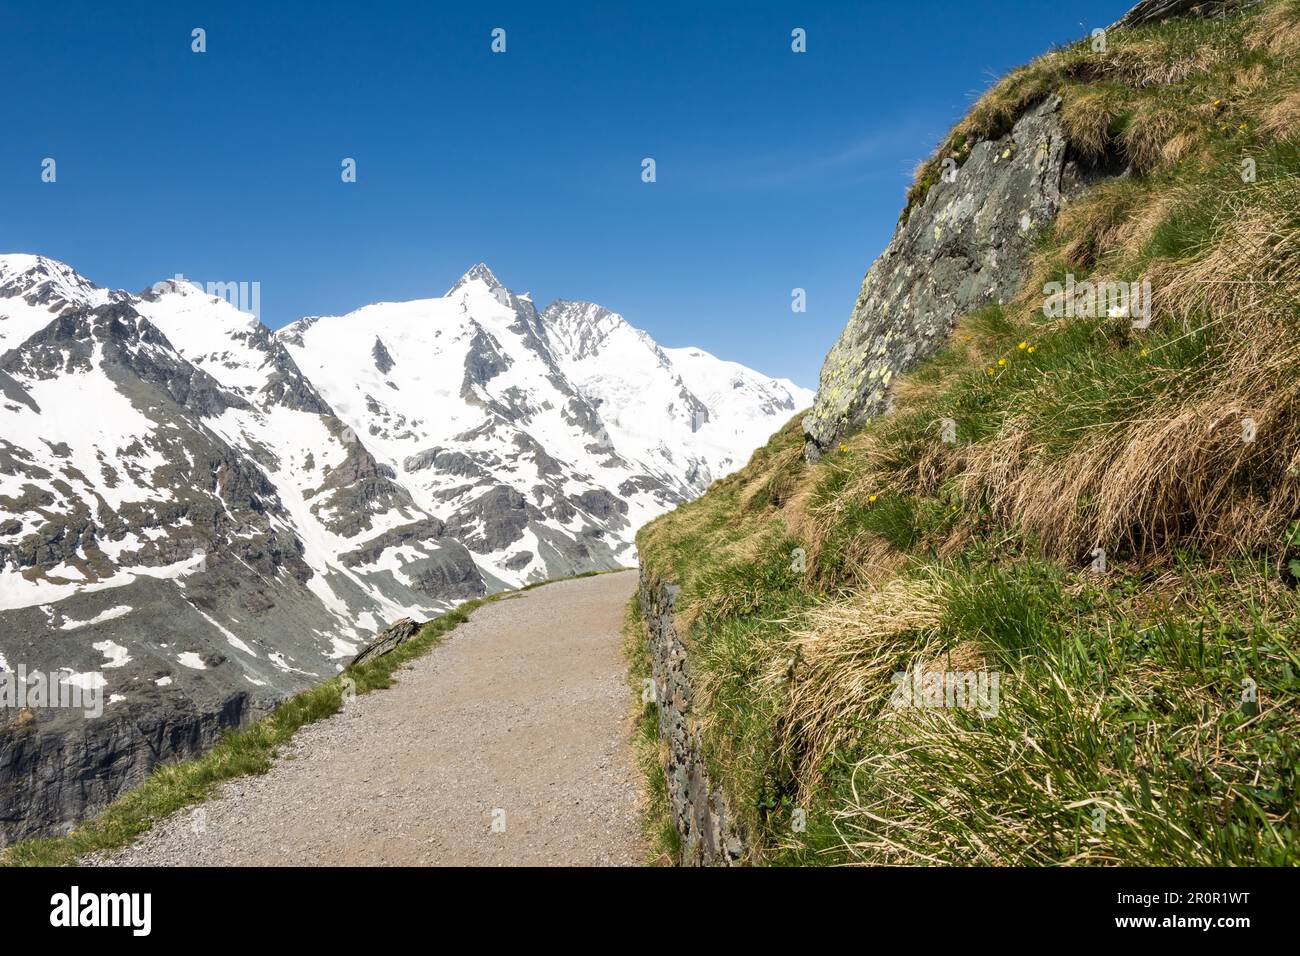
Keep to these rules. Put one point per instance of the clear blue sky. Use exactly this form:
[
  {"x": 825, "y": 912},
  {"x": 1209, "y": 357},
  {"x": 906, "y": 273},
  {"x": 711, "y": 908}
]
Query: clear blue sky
[{"x": 775, "y": 169}]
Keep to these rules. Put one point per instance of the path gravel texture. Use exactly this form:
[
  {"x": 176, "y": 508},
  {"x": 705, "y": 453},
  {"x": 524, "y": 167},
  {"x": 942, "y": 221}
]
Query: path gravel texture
[{"x": 507, "y": 744}]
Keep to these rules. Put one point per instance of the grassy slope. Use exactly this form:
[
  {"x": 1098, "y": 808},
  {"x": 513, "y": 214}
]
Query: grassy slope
[
  {"x": 248, "y": 750},
  {"x": 1125, "y": 733}
]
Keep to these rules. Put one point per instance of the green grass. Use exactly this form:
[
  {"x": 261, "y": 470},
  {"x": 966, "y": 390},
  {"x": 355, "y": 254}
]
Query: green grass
[
  {"x": 1123, "y": 735},
  {"x": 249, "y": 750},
  {"x": 1106, "y": 707}
]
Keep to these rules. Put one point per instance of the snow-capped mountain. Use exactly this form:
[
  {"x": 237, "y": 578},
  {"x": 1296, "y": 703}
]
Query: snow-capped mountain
[
  {"x": 686, "y": 415},
  {"x": 545, "y": 439},
  {"x": 200, "y": 515}
]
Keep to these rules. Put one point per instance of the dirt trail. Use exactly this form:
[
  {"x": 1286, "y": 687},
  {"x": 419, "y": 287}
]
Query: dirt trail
[{"x": 519, "y": 718}]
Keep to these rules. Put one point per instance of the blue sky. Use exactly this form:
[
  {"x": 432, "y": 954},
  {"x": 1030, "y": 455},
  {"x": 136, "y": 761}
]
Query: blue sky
[{"x": 775, "y": 170}]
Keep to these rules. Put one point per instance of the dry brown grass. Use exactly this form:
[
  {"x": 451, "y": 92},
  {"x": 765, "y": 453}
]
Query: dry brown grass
[
  {"x": 777, "y": 482},
  {"x": 1250, "y": 79},
  {"x": 1173, "y": 475},
  {"x": 934, "y": 789},
  {"x": 1281, "y": 118},
  {"x": 997, "y": 110},
  {"x": 1151, "y": 210},
  {"x": 937, "y": 787},
  {"x": 1178, "y": 147},
  {"x": 1252, "y": 259},
  {"x": 845, "y": 654},
  {"x": 1088, "y": 117},
  {"x": 1092, "y": 226},
  {"x": 1277, "y": 29},
  {"x": 1153, "y": 62},
  {"x": 1179, "y": 468}
]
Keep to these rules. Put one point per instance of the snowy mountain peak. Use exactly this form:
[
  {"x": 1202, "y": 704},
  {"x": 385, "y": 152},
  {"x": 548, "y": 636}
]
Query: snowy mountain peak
[
  {"x": 479, "y": 272},
  {"x": 264, "y": 502},
  {"x": 179, "y": 285},
  {"x": 347, "y": 471},
  {"x": 34, "y": 289},
  {"x": 47, "y": 283},
  {"x": 577, "y": 330},
  {"x": 14, "y": 264}
]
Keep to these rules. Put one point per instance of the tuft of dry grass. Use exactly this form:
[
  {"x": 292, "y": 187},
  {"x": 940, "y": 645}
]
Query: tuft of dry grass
[
  {"x": 1156, "y": 62},
  {"x": 1250, "y": 266},
  {"x": 1277, "y": 30},
  {"x": 1088, "y": 118},
  {"x": 839, "y": 677},
  {"x": 1156, "y": 133},
  {"x": 1052, "y": 778},
  {"x": 1103, "y": 221},
  {"x": 1280, "y": 119},
  {"x": 1198, "y": 455},
  {"x": 777, "y": 482},
  {"x": 1174, "y": 474}
]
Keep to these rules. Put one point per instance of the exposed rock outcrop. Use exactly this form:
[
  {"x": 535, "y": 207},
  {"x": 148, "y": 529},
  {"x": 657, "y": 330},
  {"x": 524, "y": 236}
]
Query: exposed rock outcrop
[
  {"x": 55, "y": 773},
  {"x": 1153, "y": 11},
  {"x": 388, "y": 640},
  {"x": 964, "y": 247},
  {"x": 709, "y": 831}
]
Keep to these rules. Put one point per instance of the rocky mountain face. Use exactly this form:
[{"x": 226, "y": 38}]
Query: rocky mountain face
[
  {"x": 199, "y": 516},
  {"x": 964, "y": 246},
  {"x": 544, "y": 439}
]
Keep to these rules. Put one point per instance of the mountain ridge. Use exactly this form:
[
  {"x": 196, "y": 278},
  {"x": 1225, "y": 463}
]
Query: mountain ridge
[{"x": 199, "y": 515}]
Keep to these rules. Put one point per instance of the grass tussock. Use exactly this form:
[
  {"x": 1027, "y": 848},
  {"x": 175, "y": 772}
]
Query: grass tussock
[
  {"x": 838, "y": 674},
  {"x": 1105, "y": 513},
  {"x": 1277, "y": 30},
  {"x": 1280, "y": 119},
  {"x": 1140, "y": 749}
]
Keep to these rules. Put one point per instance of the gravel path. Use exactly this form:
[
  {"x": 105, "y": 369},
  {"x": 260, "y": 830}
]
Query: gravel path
[{"x": 508, "y": 744}]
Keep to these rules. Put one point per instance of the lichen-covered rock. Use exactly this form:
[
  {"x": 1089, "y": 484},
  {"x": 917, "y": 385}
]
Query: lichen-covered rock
[{"x": 965, "y": 246}]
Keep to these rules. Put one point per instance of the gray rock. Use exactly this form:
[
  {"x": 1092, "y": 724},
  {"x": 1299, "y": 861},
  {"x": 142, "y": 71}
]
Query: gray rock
[
  {"x": 388, "y": 640},
  {"x": 1154, "y": 11},
  {"x": 56, "y": 771},
  {"x": 964, "y": 247},
  {"x": 383, "y": 360},
  {"x": 494, "y": 520},
  {"x": 600, "y": 503},
  {"x": 711, "y": 834}
]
